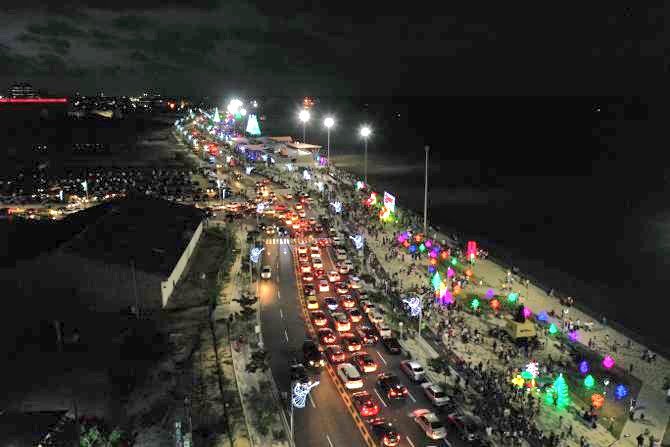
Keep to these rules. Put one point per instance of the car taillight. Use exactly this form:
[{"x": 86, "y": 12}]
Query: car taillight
[
  {"x": 404, "y": 391},
  {"x": 393, "y": 393}
]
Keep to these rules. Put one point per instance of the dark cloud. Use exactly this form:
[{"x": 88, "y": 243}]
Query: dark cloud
[
  {"x": 74, "y": 7},
  {"x": 131, "y": 22},
  {"x": 60, "y": 28}
]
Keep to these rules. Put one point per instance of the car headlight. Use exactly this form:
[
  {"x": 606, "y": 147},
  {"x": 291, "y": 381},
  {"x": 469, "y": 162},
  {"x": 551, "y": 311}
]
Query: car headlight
[{"x": 311, "y": 363}]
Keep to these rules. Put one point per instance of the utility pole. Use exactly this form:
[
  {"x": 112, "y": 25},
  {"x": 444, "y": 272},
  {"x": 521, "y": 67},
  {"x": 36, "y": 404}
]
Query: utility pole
[
  {"x": 137, "y": 302},
  {"x": 425, "y": 195}
]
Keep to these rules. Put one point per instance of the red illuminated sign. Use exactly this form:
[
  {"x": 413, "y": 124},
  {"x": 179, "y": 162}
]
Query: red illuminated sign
[{"x": 32, "y": 100}]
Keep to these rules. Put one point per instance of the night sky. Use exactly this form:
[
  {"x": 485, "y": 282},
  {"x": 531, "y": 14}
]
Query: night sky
[{"x": 333, "y": 48}]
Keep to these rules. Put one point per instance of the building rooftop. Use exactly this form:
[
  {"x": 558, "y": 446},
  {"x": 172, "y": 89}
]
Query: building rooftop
[{"x": 152, "y": 232}]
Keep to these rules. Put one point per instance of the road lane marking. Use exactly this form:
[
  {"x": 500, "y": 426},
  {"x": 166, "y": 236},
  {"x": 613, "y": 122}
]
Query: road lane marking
[
  {"x": 410, "y": 396},
  {"x": 410, "y": 441},
  {"x": 330, "y": 443},
  {"x": 311, "y": 400},
  {"x": 278, "y": 294},
  {"x": 380, "y": 397},
  {"x": 281, "y": 314},
  {"x": 381, "y": 357},
  {"x": 286, "y": 335}
]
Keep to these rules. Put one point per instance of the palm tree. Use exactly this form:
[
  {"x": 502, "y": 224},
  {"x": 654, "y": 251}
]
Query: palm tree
[{"x": 440, "y": 365}]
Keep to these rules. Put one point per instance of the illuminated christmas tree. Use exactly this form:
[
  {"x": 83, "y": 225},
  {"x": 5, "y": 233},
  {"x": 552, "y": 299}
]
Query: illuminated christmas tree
[
  {"x": 217, "y": 118},
  {"x": 558, "y": 394},
  {"x": 252, "y": 125}
]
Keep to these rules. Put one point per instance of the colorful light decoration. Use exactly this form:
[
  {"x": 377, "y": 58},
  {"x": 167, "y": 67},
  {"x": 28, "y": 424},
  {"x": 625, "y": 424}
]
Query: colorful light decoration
[
  {"x": 433, "y": 262},
  {"x": 584, "y": 367},
  {"x": 260, "y": 207},
  {"x": 533, "y": 368},
  {"x": 489, "y": 294},
  {"x": 255, "y": 254},
  {"x": 527, "y": 312},
  {"x": 418, "y": 238},
  {"x": 415, "y": 306},
  {"x": 542, "y": 316},
  {"x": 300, "y": 392},
  {"x": 518, "y": 381},
  {"x": 468, "y": 273},
  {"x": 597, "y": 400},
  {"x": 608, "y": 362},
  {"x": 360, "y": 185},
  {"x": 431, "y": 269},
  {"x": 444, "y": 255},
  {"x": 558, "y": 394},
  {"x": 422, "y": 248},
  {"x": 495, "y": 304},
  {"x": 359, "y": 241},
  {"x": 454, "y": 261},
  {"x": 471, "y": 249},
  {"x": 337, "y": 207},
  {"x": 306, "y": 175},
  {"x": 372, "y": 200},
  {"x": 573, "y": 336},
  {"x": 474, "y": 304},
  {"x": 446, "y": 296},
  {"x": 252, "y": 125},
  {"x": 385, "y": 215},
  {"x": 436, "y": 281},
  {"x": 512, "y": 297},
  {"x": 620, "y": 392},
  {"x": 589, "y": 382},
  {"x": 412, "y": 248},
  {"x": 553, "y": 330},
  {"x": 428, "y": 243},
  {"x": 450, "y": 272},
  {"x": 248, "y": 169}
]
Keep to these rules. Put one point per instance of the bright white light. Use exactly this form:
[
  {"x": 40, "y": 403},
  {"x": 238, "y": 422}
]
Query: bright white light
[
  {"x": 329, "y": 122},
  {"x": 264, "y": 157},
  {"x": 359, "y": 241},
  {"x": 243, "y": 112},
  {"x": 228, "y": 158},
  {"x": 255, "y": 254},
  {"x": 260, "y": 208},
  {"x": 248, "y": 169},
  {"x": 300, "y": 392},
  {"x": 337, "y": 206},
  {"x": 365, "y": 131},
  {"x": 254, "y": 103},
  {"x": 304, "y": 116},
  {"x": 234, "y": 106},
  {"x": 319, "y": 186},
  {"x": 306, "y": 175},
  {"x": 289, "y": 167},
  {"x": 414, "y": 305}
]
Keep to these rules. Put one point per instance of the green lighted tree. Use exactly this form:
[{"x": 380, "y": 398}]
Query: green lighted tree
[{"x": 558, "y": 394}]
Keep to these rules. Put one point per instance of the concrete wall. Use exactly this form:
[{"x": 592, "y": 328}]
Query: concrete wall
[
  {"x": 168, "y": 286},
  {"x": 61, "y": 280}
]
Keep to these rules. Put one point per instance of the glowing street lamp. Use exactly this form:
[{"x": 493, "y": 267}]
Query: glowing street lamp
[
  {"x": 365, "y": 133},
  {"x": 304, "y": 117},
  {"x": 328, "y": 122}
]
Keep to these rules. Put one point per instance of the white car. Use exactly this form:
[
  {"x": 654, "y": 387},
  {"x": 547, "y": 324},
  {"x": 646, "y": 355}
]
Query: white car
[
  {"x": 305, "y": 268},
  {"x": 333, "y": 276},
  {"x": 317, "y": 263},
  {"x": 368, "y": 306},
  {"x": 349, "y": 375},
  {"x": 302, "y": 249},
  {"x": 384, "y": 330},
  {"x": 315, "y": 252},
  {"x": 430, "y": 423},
  {"x": 342, "y": 269},
  {"x": 413, "y": 369},
  {"x": 324, "y": 286},
  {"x": 355, "y": 282},
  {"x": 266, "y": 272},
  {"x": 435, "y": 394},
  {"x": 375, "y": 317}
]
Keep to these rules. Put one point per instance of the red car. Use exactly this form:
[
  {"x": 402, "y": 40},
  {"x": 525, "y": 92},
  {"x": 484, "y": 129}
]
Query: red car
[
  {"x": 327, "y": 336},
  {"x": 365, "y": 404},
  {"x": 335, "y": 354}
]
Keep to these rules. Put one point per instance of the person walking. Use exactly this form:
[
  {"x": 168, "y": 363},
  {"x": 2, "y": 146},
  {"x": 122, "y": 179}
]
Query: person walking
[{"x": 640, "y": 440}]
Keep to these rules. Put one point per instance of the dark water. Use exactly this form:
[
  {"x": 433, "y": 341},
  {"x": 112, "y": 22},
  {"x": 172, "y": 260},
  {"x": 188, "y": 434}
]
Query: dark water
[{"x": 572, "y": 191}]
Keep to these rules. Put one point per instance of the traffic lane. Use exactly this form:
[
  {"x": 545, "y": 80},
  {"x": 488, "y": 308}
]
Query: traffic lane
[
  {"x": 325, "y": 420},
  {"x": 395, "y": 411}
]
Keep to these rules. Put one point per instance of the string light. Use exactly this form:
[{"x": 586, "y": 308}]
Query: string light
[{"x": 300, "y": 393}]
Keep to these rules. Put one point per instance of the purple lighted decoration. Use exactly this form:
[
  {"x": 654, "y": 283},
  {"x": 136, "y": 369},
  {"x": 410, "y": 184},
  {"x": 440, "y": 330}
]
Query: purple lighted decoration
[
  {"x": 401, "y": 238},
  {"x": 584, "y": 367},
  {"x": 489, "y": 294},
  {"x": 432, "y": 254},
  {"x": 573, "y": 336},
  {"x": 431, "y": 269},
  {"x": 448, "y": 298},
  {"x": 428, "y": 243},
  {"x": 412, "y": 248},
  {"x": 542, "y": 316},
  {"x": 450, "y": 272},
  {"x": 608, "y": 362},
  {"x": 527, "y": 312}
]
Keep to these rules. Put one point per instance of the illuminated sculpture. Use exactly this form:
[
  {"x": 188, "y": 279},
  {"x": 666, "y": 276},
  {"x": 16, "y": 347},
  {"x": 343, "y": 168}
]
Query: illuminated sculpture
[
  {"x": 252, "y": 125},
  {"x": 337, "y": 206},
  {"x": 414, "y": 305},
  {"x": 608, "y": 362},
  {"x": 359, "y": 242},
  {"x": 300, "y": 392},
  {"x": 306, "y": 175},
  {"x": 255, "y": 254}
]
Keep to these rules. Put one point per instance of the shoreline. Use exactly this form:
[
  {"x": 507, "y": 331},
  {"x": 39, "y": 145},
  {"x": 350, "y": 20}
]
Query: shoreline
[{"x": 539, "y": 277}]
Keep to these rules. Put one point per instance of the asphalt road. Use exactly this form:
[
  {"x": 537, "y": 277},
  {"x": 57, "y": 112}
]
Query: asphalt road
[{"x": 324, "y": 421}]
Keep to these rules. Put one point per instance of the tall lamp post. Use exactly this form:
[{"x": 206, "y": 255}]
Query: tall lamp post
[
  {"x": 365, "y": 133},
  {"x": 328, "y": 122},
  {"x": 304, "y": 117},
  {"x": 425, "y": 195}
]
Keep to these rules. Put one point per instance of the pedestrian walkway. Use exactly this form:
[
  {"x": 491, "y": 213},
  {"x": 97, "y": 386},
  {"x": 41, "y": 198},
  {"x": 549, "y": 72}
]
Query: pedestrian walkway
[{"x": 288, "y": 241}]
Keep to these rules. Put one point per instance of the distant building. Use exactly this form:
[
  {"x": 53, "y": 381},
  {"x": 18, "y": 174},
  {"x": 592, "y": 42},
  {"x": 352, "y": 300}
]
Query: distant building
[
  {"x": 22, "y": 90},
  {"x": 125, "y": 247}
]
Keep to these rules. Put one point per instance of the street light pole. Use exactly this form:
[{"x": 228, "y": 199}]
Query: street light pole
[
  {"x": 366, "y": 161},
  {"x": 365, "y": 133},
  {"x": 425, "y": 195},
  {"x": 304, "y": 131},
  {"x": 328, "y": 148}
]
